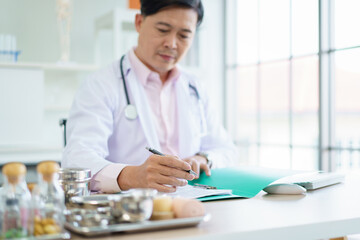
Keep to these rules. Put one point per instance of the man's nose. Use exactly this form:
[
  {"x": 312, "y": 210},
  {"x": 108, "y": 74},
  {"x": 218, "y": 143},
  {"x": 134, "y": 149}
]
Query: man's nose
[{"x": 170, "y": 41}]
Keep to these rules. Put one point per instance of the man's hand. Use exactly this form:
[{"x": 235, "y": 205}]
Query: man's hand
[
  {"x": 163, "y": 173},
  {"x": 198, "y": 163}
]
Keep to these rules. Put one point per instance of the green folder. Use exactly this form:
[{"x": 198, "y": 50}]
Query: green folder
[{"x": 245, "y": 182}]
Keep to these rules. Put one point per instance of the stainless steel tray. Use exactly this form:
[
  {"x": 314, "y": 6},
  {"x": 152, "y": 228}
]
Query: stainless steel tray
[
  {"x": 141, "y": 226},
  {"x": 61, "y": 236},
  {"x": 64, "y": 235}
]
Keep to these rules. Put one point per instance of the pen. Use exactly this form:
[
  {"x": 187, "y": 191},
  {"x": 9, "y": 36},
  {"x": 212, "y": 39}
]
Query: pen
[
  {"x": 154, "y": 151},
  {"x": 204, "y": 186}
]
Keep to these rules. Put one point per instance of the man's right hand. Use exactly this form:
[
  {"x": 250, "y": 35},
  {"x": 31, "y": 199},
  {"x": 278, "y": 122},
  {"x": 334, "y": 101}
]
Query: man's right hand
[{"x": 163, "y": 173}]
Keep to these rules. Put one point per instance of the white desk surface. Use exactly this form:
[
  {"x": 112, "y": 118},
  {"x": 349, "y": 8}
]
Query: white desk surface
[{"x": 328, "y": 212}]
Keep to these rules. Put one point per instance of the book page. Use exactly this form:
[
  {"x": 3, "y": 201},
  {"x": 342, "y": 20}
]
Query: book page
[{"x": 189, "y": 191}]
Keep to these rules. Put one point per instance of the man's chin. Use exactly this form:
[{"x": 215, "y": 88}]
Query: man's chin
[{"x": 165, "y": 67}]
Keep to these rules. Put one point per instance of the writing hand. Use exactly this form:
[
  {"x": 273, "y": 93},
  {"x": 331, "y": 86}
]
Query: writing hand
[
  {"x": 163, "y": 173},
  {"x": 197, "y": 164}
]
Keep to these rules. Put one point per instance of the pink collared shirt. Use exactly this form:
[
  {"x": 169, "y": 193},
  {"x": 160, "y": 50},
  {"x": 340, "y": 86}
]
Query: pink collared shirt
[{"x": 162, "y": 100}]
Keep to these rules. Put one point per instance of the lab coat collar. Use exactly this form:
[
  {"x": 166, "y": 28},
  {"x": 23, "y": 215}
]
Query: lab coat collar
[
  {"x": 183, "y": 96},
  {"x": 142, "y": 72},
  {"x": 138, "y": 94}
]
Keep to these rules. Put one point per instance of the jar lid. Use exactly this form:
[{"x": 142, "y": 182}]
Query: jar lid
[
  {"x": 48, "y": 167},
  {"x": 14, "y": 171},
  {"x": 74, "y": 174}
]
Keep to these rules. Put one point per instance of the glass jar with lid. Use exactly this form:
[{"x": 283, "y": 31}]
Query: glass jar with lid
[
  {"x": 1, "y": 213},
  {"x": 48, "y": 201},
  {"x": 75, "y": 182},
  {"x": 15, "y": 201}
]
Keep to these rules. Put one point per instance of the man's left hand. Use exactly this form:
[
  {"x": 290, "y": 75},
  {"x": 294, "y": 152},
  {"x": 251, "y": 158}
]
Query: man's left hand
[{"x": 197, "y": 164}]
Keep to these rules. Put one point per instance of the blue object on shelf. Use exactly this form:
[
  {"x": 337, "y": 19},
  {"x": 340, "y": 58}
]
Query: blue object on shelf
[{"x": 14, "y": 54}]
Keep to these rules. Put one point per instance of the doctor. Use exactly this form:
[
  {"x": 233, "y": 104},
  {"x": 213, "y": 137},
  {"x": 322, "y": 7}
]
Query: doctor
[{"x": 146, "y": 99}]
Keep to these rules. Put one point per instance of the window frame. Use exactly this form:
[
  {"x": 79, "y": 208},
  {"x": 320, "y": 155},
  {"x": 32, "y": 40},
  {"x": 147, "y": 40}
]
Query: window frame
[{"x": 326, "y": 146}]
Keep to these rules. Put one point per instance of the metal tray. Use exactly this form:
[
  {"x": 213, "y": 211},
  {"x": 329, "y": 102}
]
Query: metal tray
[
  {"x": 141, "y": 226},
  {"x": 64, "y": 235},
  {"x": 61, "y": 236}
]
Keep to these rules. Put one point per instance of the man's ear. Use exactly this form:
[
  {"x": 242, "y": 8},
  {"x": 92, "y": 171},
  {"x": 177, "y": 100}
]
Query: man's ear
[{"x": 138, "y": 21}]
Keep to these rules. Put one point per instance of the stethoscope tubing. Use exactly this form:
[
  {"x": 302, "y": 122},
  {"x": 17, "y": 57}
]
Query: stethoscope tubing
[
  {"x": 131, "y": 112},
  {"x": 125, "y": 87},
  {"x": 123, "y": 80}
]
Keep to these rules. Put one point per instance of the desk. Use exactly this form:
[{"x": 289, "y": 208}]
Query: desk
[{"x": 328, "y": 212}]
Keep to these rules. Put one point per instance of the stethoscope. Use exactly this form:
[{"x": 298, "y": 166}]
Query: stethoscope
[{"x": 130, "y": 109}]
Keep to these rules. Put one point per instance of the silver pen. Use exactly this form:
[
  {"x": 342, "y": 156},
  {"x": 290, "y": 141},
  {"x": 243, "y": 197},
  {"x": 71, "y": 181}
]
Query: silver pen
[{"x": 154, "y": 151}]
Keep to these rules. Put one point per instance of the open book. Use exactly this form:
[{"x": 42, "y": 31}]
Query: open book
[
  {"x": 189, "y": 191},
  {"x": 242, "y": 182}
]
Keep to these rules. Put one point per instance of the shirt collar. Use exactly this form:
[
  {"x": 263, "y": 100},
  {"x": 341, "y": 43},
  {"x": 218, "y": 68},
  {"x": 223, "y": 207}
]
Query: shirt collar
[{"x": 143, "y": 73}]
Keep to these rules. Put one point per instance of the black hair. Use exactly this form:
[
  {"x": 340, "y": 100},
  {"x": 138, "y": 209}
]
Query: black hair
[{"x": 150, "y": 7}]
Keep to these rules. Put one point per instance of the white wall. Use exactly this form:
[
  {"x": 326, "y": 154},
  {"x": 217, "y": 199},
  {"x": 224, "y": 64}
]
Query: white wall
[
  {"x": 34, "y": 24},
  {"x": 21, "y": 104},
  {"x": 211, "y": 55}
]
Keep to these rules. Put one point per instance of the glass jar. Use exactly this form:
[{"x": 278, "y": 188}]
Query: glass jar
[
  {"x": 15, "y": 200},
  {"x": 1, "y": 213},
  {"x": 48, "y": 201},
  {"x": 75, "y": 182}
]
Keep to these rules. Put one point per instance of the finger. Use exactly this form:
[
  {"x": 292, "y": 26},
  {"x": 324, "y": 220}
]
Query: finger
[
  {"x": 188, "y": 160},
  {"x": 168, "y": 180},
  {"x": 206, "y": 169},
  {"x": 196, "y": 167},
  {"x": 163, "y": 188},
  {"x": 174, "y": 162},
  {"x": 175, "y": 172}
]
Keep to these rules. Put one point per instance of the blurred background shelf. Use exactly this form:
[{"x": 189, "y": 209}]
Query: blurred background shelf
[
  {"x": 29, "y": 122},
  {"x": 29, "y": 154},
  {"x": 51, "y": 66}
]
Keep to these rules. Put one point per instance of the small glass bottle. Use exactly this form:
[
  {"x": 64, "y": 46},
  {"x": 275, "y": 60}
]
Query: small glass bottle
[
  {"x": 15, "y": 200},
  {"x": 1, "y": 213},
  {"x": 48, "y": 201}
]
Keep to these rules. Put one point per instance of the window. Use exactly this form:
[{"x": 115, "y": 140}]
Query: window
[
  {"x": 346, "y": 79},
  {"x": 292, "y": 79}
]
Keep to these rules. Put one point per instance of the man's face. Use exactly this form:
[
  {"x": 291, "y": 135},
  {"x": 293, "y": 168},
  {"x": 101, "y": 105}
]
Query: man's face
[{"x": 165, "y": 37}]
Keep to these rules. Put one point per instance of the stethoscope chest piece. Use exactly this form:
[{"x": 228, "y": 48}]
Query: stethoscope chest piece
[{"x": 131, "y": 112}]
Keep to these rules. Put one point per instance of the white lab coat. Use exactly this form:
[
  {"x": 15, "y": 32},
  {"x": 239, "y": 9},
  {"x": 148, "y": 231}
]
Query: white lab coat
[{"x": 99, "y": 134}]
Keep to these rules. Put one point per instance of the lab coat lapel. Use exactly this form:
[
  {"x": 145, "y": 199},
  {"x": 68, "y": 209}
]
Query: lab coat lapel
[
  {"x": 183, "y": 96},
  {"x": 140, "y": 101}
]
